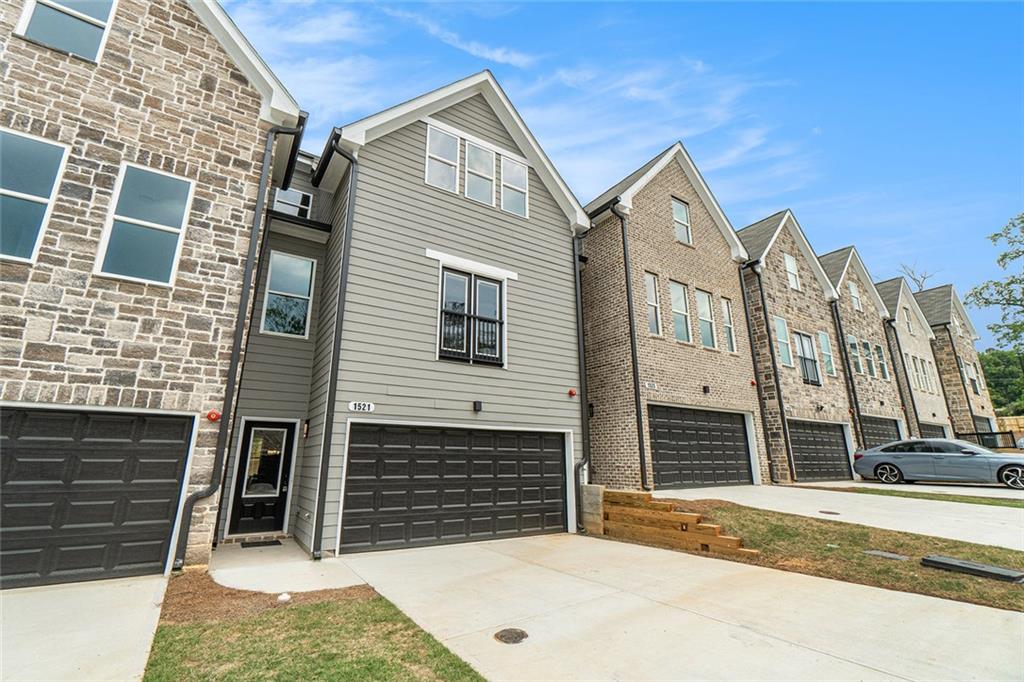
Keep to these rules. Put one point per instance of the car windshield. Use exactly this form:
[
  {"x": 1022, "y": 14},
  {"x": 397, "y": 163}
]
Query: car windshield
[{"x": 967, "y": 445}]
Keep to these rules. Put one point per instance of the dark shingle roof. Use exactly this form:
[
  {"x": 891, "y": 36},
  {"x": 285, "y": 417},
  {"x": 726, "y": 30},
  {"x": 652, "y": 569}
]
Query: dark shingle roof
[
  {"x": 626, "y": 182},
  {"x": 936, "y": 304},
  {"x": 834, "y": 262},
  {"x": 756, "y": 237},
  {"x": 889, "y": 290}
]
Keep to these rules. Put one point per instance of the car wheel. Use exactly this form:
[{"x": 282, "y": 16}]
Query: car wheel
[
  {"x": 889, "y": 473},
  {"x": 1012, "y": 476}
]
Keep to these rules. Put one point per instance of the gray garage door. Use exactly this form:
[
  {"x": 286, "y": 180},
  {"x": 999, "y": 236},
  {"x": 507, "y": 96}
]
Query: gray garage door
[
  {"x": 87, "y": 495},
  {"x": 819, "y": 451},
  {"x": 878, "y": 431},
  {"x": 693, "y": 448},
  {"x": 932, "y": 431},
  {"x": 409, "y": 486}
]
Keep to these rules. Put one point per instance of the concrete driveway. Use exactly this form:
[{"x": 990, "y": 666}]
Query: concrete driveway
[
  {"x": 97, "y": 630},
  {"x": 986, "y": 525},
  {"x": 602, "y": 610},
  {"x": 969, "y": 489}
]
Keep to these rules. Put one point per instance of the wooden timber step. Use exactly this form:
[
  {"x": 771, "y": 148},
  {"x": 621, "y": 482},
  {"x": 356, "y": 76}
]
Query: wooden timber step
[{"x": 637, "y": 517}]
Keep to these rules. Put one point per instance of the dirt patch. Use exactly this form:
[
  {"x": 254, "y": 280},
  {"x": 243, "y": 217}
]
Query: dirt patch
[
  {"x": 193, "y": 597},
  {"x": 700, "y": 506}
]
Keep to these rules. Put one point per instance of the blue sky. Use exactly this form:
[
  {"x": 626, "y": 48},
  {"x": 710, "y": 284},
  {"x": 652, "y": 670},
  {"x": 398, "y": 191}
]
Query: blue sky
[{"x": 896, "y": 127}]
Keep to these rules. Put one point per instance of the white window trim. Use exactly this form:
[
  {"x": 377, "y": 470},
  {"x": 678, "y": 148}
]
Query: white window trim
[
  {"x": 525, "y": 190},
  {"x": 267, "y": 291},
  {"x": 780, "y": 341},
  {"x": 711, "y": 310},
  {"x": 729, "y": 325},
  {"x": 932, "y": 373},
  {"x": 795, "y": 272},
  {"x": 656, "y": 303},
  {"x": 469, "y": 297},
  {"x": 688, "y": 224},
  {"x": 858, "y": 366},
  {"x": 427, "y": 156},
  {"x": 858, "y": 305},
  {"x": 476, "y": 311},
  {"x": 50, "y": 201},
  {"x": 278, "y": 200},
  {"x": 883, "y": 366},
  {"x": 814, "y": 352},
  {"x": 830, "y": 354},
  {"x": 868, "y": 358},
  {"x": 108, "y": 227},
  {"x": 685, "y": 312},
  {"x": 30, "y": 8},
  {"x": 480, "y": 142},
  {"x": 466, "y": 173},
  {"x": 908, "y": 321}
]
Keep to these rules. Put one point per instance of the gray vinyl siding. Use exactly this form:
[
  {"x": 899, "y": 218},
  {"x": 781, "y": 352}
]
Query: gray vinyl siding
[
  {"x": 390, "y": 331},
  {"x": 277, "y": 369},
  {"x": 475, "y": 116}
]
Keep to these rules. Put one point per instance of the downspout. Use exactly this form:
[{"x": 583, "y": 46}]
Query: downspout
[
  {"x": 584, "y": 400},
  {"x": 775, "y": 375},
  {"x": 963, "y": 382},
  {"x": 228, "y": 413},
  {"x": 851, "y": 380},
  {"x": 899, "y": 386},
  {"x": 339, "y": 318},
  {"x": 757, "y": 372}
]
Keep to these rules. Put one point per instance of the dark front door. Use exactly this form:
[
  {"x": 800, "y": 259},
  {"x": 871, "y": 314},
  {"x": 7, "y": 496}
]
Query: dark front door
[
  {"x": 261, "y": 487},
  {"x": 692, "y": 448},
  {"x": 878, "y": 431},
  {"x": 819, "y": 451}
]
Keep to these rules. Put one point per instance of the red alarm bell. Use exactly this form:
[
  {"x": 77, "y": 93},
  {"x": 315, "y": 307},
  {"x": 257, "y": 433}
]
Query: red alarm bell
[
  {"x": 572, "y": 392},
  {"x": 213, "y": 415}
]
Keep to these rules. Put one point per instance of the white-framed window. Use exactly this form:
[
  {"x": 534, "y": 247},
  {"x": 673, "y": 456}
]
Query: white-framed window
[
  {"x": 706, "y": 319},
  {"x": 727, "y": 324},
  {"x": 918, "y": 374},
  {"x": 30, "y": 172},
  {"x": 851, "y": 341},
  {"x": 907, "y": 320},
  {"x": 782, "y": 343},
  {"x": 479, "y": 173},
  {"x": 792, "y": 271},
  {"x": 146, "y": 226},
  {"x": 79, "y": 27},
  {"x": 932, "y": 373},
  {"x": 653, "y": 304},
  {"x": 515, "y": 187},
  {"x": 855, "y": 296},
  {"x": 827, "y": 358},
  {"x": 442, "y": 164},
  {"x": 472, "y": 318},
  {"x": 289, "y": 295},
  {"x": 883, "y": 366},
  {"x": 680, "y": 311},
  {"x": 293, "y": 202},
  {"x": 981, "y": 376},
  {"x": 959, "y": 328},
  {"x": 869, "y": 361},
  {"x": 681, "y": 221},
  {"x": 972, "y": 376},
  {"x": 806, "y": 358}
]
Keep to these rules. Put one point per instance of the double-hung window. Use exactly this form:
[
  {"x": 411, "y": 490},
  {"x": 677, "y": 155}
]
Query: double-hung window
[
  {"x": 868, "y": 360},
  {"x": 883, "y": 366},
  {"x": 918, "y": 374},
  {"x": 680, "y": 311},
  {"x": 851, "y": 341},
  {"x": 907, "y": 362},
  {"x": 730, "y": 335},
  {"x": 827, "y": 358},
  {"x": 442, "y": 159},
  {"x": 681, "y": 221},
  {"x": 75, "y": 26},
  {"x": 479, "y": 174},
  {"x": 959, "y": 328},
  {"x": 973, "y": 377},
  {"x": 978, "y": 373},
  {"x": 792, "y": 271},
  {"x": 515, "y": 187},
  {"x": 293, "y": 202},
  {"x": 908, "y": 321},
  {"x": 806, "y": 357},
  {"x": 472, "y": 318},
  {"x": 144, "y": 232},
  {"x": 785, "y": 350},
  {"x": 30, "y": 170},
  {"x": 289, "y": 295},
  {"x": 931, "y": 373},
  {"x": 706, "y": 319},
  {"x": 653, "y": 304},
  {"x": 855, "y": 296}
]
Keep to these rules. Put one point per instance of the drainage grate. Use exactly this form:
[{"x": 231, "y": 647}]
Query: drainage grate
[
  {"x": 510, "y": 635},
  {"x": 260, "y": 543}
]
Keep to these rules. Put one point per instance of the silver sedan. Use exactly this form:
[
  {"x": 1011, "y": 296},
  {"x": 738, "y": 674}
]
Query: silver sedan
[{"x": 939, "y": 459}]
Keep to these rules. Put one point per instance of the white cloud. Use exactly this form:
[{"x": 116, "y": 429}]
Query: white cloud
[
  {"x": 500, "y": 55},
  {"x": 281, "y": 28}
]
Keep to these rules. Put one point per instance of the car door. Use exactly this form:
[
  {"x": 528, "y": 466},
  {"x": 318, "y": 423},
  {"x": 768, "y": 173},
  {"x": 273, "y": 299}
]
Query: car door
[
  {"x": 954, "y": 462},
  {"x": 913, "y": 458}
]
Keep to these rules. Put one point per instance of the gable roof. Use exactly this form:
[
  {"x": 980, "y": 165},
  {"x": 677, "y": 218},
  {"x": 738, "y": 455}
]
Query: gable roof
[
  {"x": 895, "y": 292},
  {"x": 834, "y": 263},
  {"x": 837, "y": 263},
  {"x": 937, "y": 304},
  {"x": 628, "y": 187},
  {"x": 759, "y": 238},
  {"x": 354, "y": 135}
]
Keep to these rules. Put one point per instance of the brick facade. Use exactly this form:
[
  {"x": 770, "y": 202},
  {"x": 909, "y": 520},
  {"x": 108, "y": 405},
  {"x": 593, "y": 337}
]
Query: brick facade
[
  {"x": 963, "y": 403},
  {"x": 164, "y": 95}
]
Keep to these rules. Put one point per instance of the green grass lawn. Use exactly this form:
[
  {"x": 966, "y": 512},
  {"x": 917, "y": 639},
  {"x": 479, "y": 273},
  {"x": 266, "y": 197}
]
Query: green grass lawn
[
  {"x": 834, "y": 549},
  {"x": 924, "y": 495},
  {"x": 363, "y": 638}
]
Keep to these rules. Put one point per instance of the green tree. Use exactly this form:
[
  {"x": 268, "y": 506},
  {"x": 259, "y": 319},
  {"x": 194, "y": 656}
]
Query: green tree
[
  {"x": 1006, "y": 293},
  {"x": 1004, "y": 371}
]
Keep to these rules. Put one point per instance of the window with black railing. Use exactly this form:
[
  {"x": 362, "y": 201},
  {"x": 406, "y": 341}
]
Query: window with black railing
[
  {"x": 472, "y": 324},
  {"x": 806, "y": 358}
]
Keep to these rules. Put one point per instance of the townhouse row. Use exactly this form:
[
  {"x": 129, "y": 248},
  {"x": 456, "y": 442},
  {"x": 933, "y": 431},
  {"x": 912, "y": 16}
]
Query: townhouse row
[{"x": 418, "y": 336}]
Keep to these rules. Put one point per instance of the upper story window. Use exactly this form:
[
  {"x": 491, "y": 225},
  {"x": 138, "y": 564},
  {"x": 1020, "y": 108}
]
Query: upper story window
[
  {"x": 883, "y": 366},
  {"x": 680, "y": 311},
  {"x": 827, "y": 358},
  {"x": 855, "y": 296},
  {"x": 289, "y": 295},
  {"x": 730, "y": 335},
  {"x": 784, "y": 348},
  {"x": 851, "y": 341},
  {"x": 653, "y": 305},
  {"x": 868, "y": 359},
  {"x": 907, "y": 320},
  {"x": 933, "y": 375},
  {"x": 972, "y": 375},
  {"x": 143, "y": 236},
  {"x": 293, "y": 202},
  {"x": 808, "y": 361},
  {"x": 681, "y": 221},
  {"x": 959, "y": 328},
  {"x": 919, "y": 380},
  {"x": 30, "y": 168},
  {"x": 75, "y": 26},
  {"x": 479, "y": 174},
  {"x": 515, "y": 186},
  {"x": 706, "y": 319},
  {"x": 792, "y": 272},
  {"x": 442, "y": 159},
  {"x": 980, "y": 374},
  {"x": 472, "y": 318}
]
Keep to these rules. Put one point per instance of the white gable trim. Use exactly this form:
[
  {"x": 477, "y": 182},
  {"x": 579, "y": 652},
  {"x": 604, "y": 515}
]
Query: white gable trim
[
  {"x": 805, "y": 248},
  {"x": 364, "y": 131},
  {"x": 678, "y": 153},
  {"x": 854, "y": 257},
  {"x": 278, "y": 106},
  {"x": 906, "y": 297}
]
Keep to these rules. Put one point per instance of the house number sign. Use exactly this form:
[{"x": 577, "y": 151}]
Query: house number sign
[{"x": 361, "y": 407}]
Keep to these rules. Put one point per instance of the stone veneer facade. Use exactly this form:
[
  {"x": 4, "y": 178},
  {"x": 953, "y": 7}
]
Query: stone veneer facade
[
  {"x": 165, "y": 95},
  {"x": 962, "y": 402}
]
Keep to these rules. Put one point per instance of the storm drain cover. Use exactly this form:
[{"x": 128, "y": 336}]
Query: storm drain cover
[
  {"x": 510, "y": 635},
  {"x": 886, "y": 555},
  {"x": 830, "y": 513}
]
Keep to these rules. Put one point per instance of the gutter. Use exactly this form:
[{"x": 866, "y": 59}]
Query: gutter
[
  {"x": 851, "y": 384},
  {"x": 757, "y": 373},
  {"x": 228, "y": 413},
  {"x": 339, "y": 318},
  {"x": 584, "y": 400},
  {"x": 891, "y": 323}
]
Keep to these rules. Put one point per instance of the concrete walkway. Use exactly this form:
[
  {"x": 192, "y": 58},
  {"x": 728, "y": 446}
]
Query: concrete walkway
[
  {"x": 602, "y": 610},
  {"x": 979, "y": 490},
  {"x": 277, "y": 568},
  {"x": 97, "y": 630},
  {"x": 999, "y": 526}
]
